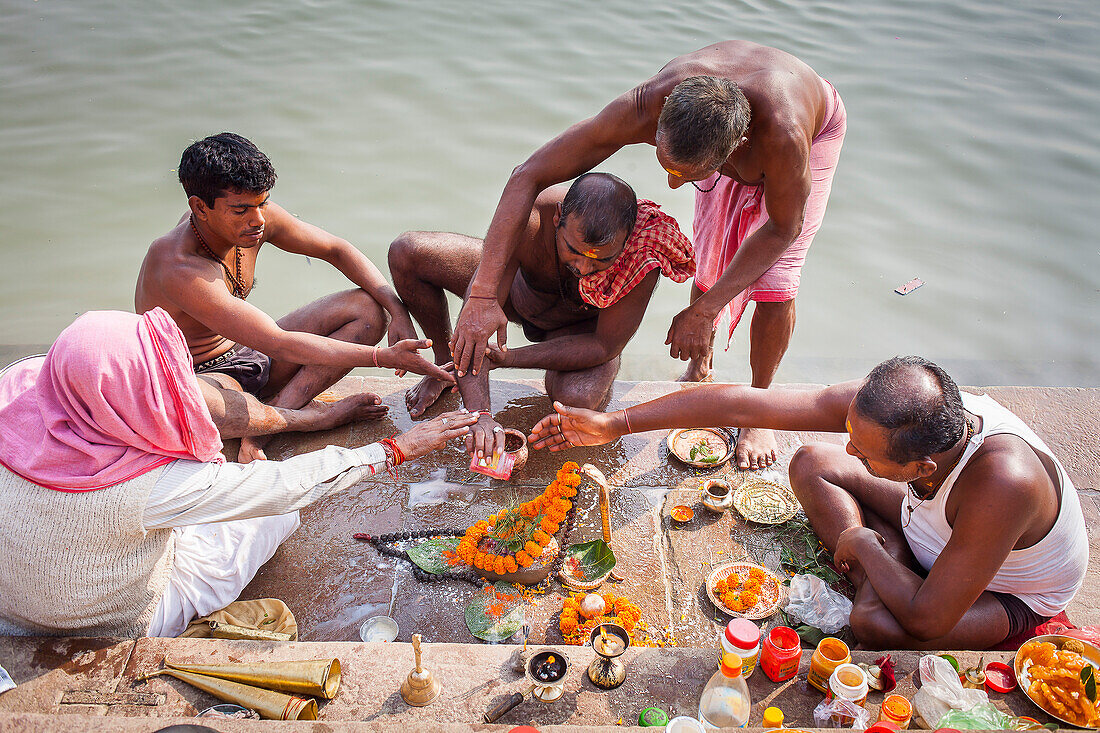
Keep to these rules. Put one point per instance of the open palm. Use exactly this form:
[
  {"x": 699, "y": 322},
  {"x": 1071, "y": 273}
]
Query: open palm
[{"x": 571, "y": 427}]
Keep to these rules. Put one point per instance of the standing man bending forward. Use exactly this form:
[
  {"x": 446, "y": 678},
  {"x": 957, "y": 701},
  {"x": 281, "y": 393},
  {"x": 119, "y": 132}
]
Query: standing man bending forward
[
  {"x": 761, "y": 133},
  {"x": 578, "y": 284},
  {"x": 955, "y": 522},
  {"x": 202, "y": 271}
]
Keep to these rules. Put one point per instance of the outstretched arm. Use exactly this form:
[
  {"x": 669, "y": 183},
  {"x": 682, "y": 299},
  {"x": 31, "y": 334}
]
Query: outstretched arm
[
  {"x": 199, "y": 292},
  {"x": 291, "y": 234},
  {"x": 575, "y": 151},
  {"x": 707, "y": 405}
]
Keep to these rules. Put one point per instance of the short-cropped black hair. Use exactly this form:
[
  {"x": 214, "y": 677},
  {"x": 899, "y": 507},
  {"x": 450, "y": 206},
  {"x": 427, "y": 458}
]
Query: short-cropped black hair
[
  {"x": 225, "y": 162},
  {"x": 917, "y": 402},
  {"x": 703, "y": 119},
  {"x": 605, "y": 205}
]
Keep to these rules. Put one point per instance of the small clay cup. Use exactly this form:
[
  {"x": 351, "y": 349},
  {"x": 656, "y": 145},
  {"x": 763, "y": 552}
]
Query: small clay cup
[{"x": 515, "y": 443}]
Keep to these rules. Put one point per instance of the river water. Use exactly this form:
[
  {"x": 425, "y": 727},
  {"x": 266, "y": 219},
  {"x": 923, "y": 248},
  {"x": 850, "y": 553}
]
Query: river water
[{"x": 972, "y": 158}]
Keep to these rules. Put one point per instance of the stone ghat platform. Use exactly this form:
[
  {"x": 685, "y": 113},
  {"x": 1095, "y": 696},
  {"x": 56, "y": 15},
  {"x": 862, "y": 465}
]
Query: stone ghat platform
[
  {"x": 333, "y": 582},
  {"x": 60, "y": 680}
]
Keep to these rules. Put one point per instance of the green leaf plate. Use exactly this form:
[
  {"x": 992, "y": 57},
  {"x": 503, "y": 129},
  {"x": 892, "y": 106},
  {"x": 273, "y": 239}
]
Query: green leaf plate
[
  {"x": 593, "y": 560},
  {"x": 429, "y": 554},
  {"x": 489, "y": 628}
]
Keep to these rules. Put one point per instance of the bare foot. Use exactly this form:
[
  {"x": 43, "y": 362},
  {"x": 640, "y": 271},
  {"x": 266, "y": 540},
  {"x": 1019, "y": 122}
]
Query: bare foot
[
  {"x": 252, "y": 449},
  {"x": 697, "y": 371},
  {"x": 756, "y": 448},
  {"x": 425, "y": 394},
  {"x": 328, "y": 415}
]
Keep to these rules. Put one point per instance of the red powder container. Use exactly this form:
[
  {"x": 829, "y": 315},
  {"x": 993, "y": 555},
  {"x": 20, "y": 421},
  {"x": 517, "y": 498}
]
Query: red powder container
[{"x": 780, "y": 653}]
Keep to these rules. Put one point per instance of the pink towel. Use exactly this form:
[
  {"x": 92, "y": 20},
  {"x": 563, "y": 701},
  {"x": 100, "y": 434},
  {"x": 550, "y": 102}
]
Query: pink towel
[
  {"x": 116, "y": 396},
  {"x": 728, "y": 214}
]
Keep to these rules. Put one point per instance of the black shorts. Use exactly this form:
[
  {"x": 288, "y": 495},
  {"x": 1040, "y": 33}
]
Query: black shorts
[
  {"x": 1020, "y": 616},
  {"x": 249, "y": 367}
]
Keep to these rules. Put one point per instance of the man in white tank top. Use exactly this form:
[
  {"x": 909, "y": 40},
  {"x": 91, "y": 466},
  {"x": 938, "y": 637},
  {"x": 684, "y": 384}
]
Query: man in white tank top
[{"x": 955, "y": 522}]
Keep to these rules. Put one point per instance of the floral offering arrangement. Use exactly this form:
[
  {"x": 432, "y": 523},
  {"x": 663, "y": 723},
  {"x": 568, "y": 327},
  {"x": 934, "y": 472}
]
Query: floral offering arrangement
[
  {"x": 741, "y": 591},
  {"x": 582, "y": 613},
  {"x": 516, "y": 537}
]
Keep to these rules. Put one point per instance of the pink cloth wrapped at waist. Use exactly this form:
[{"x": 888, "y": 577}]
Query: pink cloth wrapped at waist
[
  {"x": 114, "y": 397},
  {"x": 727, "y": 215},
  {"x": 656, "y": 241}
]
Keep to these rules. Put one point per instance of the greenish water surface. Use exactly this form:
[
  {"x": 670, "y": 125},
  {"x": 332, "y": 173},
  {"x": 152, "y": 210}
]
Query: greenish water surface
[{"x": 972, "y": 158}]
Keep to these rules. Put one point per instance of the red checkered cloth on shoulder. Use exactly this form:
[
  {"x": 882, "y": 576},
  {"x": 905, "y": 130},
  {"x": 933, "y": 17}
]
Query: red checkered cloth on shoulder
[{"x": 655, "y": 242}]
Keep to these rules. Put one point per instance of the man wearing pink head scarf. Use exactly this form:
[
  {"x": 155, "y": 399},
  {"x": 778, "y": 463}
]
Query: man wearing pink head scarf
[{"x": 118, "y": 515}]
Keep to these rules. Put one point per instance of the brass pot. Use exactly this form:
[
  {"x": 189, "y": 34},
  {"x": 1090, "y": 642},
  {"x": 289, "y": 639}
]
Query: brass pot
[{"x": 533, "y": 574}]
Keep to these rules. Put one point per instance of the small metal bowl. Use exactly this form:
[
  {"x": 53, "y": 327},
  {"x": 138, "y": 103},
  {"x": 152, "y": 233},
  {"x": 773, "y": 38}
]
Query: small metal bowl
[
  {"x": 378, "y": 628},
  {"x": 682, "y": 513}
]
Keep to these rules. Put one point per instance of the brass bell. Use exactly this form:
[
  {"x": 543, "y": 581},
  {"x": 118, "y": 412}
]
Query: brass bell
[{"x": 420, "y": 688}]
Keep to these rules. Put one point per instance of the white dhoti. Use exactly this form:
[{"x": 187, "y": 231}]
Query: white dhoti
[{"x": 213, "y": 564}]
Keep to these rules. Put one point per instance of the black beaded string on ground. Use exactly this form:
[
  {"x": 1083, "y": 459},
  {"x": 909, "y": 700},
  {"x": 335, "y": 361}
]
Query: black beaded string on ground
[{"x": 386, "y": 545}]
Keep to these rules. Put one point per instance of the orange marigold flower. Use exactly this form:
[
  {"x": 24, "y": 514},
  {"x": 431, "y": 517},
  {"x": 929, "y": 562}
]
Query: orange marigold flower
[
  {"x": 540, "y": 537},
  {"x": 568, "y": 626},
  {"x": 571, "y": 602},
  {"x": 498, "y": 566},
  {"x": 482, "y": 525},
  {"x": 532, "y": 549},
  {"x": 510, "y": 564},
  {"x": 733, "y": 580},
  {"x": 479, "y": 560},
  {"x": 609, "y": 600},
  {"x": 752, "y": 584},
  {"x": 491, "y": 520},
  {"x": 523, "y": 559},
  {"x": 572, "y": 480},
  {"x": 569, "y": 466},
  {"x": 552, "y": 527},
  {"x": 756, "y": 573},
  {"x": 720, "y": 588},
  {"x": 569, "y": 492},
  {"x": 749, "y": 599}
]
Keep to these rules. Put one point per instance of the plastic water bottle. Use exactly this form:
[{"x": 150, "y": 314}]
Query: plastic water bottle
[{"x": 725, "y": 700}]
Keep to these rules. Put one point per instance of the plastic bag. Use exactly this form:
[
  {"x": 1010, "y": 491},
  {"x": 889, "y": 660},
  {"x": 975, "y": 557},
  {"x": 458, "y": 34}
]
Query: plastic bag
[
  {"x": 813, "y": 602},
  {"x": 982, "y": 716},
  {"x": 838, "y": 713},
  {"x": 941, "y": 691}
]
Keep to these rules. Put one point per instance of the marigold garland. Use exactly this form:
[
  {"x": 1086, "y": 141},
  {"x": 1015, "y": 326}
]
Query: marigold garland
[
  {"x": 618, "y": 609},
  {"x": 740, "y": 596},
  {"x": 521, "y": 533}
]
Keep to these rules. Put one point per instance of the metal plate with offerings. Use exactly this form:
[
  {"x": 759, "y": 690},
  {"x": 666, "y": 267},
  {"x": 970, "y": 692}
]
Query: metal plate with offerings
[
  {"x": 1024, "y": 662},
  {"x": 768, "y": 590},
  {"x": 702, "y": 447},
  {"x": 765, "y": 502}
]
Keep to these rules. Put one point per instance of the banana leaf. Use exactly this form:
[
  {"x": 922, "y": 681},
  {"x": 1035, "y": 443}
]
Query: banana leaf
[
  {"x": 493, "y": 618},
  {"x": 593, "y": 560},
  {"x": 429, "y": 554}
]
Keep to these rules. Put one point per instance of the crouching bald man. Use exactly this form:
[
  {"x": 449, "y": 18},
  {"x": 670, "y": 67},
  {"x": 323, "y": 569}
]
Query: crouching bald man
[{"x": 955, "y": 522}]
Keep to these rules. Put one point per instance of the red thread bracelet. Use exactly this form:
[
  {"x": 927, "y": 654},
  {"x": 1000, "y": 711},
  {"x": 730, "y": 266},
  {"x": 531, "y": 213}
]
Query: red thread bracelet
[
  {"x": 376, "y": 356},
  {"x": 626, "y": 417},
  {"x": 482, "y": 297}
]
